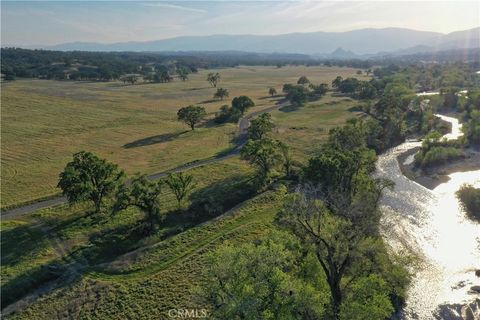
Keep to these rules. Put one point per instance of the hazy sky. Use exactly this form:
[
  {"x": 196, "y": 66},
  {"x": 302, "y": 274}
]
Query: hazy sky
[{"x": 47, "y": 23}]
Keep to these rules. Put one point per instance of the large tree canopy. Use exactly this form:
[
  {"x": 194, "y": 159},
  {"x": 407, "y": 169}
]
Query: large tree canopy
[
  {"x": 143, "y": 194},
  {"x": 260, "y": 281},
  {"x": 87, "y": 177},
  {"x": 265, "y": 154},
  {"x": 191, "y": 115},
  {"x": 260, "y": 126},
  {"x": 242, "y": 103}
]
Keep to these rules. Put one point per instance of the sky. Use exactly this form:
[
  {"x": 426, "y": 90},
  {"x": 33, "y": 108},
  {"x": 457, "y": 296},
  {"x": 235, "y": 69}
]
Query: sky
[{"x": 33, "y": 23}]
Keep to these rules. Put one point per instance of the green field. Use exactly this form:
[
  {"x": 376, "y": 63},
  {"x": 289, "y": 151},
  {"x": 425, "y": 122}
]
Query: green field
[
  {"x": 108, "y": 269},
  {"x": 44, "y": 122}
]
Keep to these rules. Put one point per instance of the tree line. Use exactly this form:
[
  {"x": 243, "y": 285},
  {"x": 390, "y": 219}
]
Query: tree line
[{"x": 90, "y": 178}]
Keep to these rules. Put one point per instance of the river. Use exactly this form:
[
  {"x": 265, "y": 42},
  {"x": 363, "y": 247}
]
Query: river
[{"x": 431, "y": 224}]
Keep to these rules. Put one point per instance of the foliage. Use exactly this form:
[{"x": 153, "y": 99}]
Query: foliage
[
  {"x": 337, "y": 215},
  {"x": 264, "y": 154},
  {"x": 335, "y": 233},
  {"x": 288, "y": 162},
  {"x": 319, "y": 90},
  {"x": 296, "y": 94},
  {"x": 450, "y": 98},
  {"x": 87, "y": 177},
  {"x": 227, "y": 114},
  {"x": 303, "y": 80},
  {"x": 143, "y": 194},
  {"x": 470, "y": 200},
  {"x": 272, "y": 91},
  {"x": 472, "y": 128},
  {"x": 436, "y": 152},
  {"x": 163, "y": 77},
  {"x": 221, "y": 94},
  {"x": 364, "y": 90},
  {"x": 183, "y": 73},
  {"x": 260, "y": 281},
  {"x": 181, "y": 185},
  {"x": 339, "y": 170},
  {"x": 213, "y": 79},
  {"x": 130, "y": 78},
  {"x": 260, "y": 126},
  {"x": 438, "y": 155},
  {"x": 242, "y": 103},
  {"x": 367, "y": 299},
  {"x": 191, "y": 115}
]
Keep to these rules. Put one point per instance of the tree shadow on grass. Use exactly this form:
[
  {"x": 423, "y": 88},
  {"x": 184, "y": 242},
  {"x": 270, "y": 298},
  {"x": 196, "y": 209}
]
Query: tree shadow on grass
[
  {"x": 355, "y": 109},
  {"x": 65, "y": 271},
  {"x": 289, "y": 108},
  {"x": 21, "y": 242},
  {"x": 209, "y": 202},
  {"x": 211, "y": 101},
  {"x": 161, "y": 138}
]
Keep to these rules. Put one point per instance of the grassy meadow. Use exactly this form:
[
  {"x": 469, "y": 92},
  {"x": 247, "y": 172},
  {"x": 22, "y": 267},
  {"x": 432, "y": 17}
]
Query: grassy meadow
[{"x": 44, "y": 122}]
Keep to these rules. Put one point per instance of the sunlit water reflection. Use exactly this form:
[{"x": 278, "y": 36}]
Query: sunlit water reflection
[{"x": 431, "y": 224}]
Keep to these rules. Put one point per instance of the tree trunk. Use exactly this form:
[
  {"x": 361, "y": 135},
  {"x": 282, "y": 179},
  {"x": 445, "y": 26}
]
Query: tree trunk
[
  {"x": 98, "y": 203},
  {"x": 336, "y": 293}
]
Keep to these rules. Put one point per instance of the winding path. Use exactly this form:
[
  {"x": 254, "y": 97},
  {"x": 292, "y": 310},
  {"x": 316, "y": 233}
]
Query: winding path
[{"x": 243, "y": 125}]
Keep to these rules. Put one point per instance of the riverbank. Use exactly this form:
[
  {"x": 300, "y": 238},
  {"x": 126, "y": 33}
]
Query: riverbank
[{"x": 432, "y": 177}]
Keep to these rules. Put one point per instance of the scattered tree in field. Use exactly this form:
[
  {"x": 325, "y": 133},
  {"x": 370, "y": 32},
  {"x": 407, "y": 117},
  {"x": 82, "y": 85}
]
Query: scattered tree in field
[
  {"x": 181, "y": 185},
  {"x": 191, "y": 115},
  {"x": 296, "y": 94},
  {"x": 213, "y": 79},
  {"x": 242, "y": 103},
  {"x": 227, "y": 114},
  {"x": 221, "y": 94},
  {"x": 263, "y": 276},
  {"x": 319, "y": 90},
  {"x": 163, "y": 76},
  {"x": 303, "y": 80},
  {"x": 359, "y": 72},
  {"x": 88, "y": 177},
  {"x": 143, "y": 194},
  {"x": 260, "y": 126},
  {"x": 272, "y": 92},
  {"x": 183, "y": 74},
  {"x": 264, "y": 154},
  {"x": 130, "y": 78}
]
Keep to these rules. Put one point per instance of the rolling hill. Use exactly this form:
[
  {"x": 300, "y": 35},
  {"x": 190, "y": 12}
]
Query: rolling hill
[{"x": 356, "y": 42}]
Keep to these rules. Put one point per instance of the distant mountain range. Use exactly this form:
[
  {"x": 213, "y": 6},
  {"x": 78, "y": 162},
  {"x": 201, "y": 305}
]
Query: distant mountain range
[{"x": 350, "y": 44}]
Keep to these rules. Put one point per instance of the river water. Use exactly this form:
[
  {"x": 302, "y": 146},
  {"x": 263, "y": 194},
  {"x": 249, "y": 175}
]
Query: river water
[{"x": 431, "y": 224}]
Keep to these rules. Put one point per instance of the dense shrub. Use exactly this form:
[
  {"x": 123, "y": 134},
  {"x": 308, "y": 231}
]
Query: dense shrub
[
  {"x": 438, "y": 155},
  {"x": 470, "y": 200},
  {"x": 227, "y": 114},
  {"x": 436, "y": 151}
]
